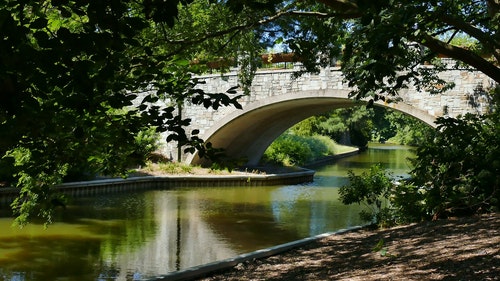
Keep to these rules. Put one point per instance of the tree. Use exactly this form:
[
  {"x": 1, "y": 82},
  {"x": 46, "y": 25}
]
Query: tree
[
  {"x": 350, "y": 126},
  {"x": 382, "y": 44},
  {"x": 456, "y": 173},
  {"x": 70, "y": 72},
  {"x": 459, "y": 169},
  {"x": 396, "y": 127},
  {"x": 372, "y": 188},
  {"x": 390, "y": 39}
]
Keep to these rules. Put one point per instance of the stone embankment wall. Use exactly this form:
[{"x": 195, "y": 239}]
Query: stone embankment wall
[{"x": 108, "y": 186}]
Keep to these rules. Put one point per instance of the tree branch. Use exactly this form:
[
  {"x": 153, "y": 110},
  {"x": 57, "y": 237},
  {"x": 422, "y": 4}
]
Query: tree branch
[
  {"x": 473, "y": 31},
  {"x": 345, "y": 15},
  {"x": 257, "y": 23},
  {"x": 346, "y": 6},
  {"x": 463, "y": 55}
]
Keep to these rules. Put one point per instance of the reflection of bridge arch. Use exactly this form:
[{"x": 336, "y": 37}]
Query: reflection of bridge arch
[{"x": 247, "y": 133}]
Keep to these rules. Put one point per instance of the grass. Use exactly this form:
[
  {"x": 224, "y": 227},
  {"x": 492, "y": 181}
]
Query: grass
[
  {"x": 176, "y": 168},
  {"x": 168, "y": 168},
  {"x": 339, "y": 148}
]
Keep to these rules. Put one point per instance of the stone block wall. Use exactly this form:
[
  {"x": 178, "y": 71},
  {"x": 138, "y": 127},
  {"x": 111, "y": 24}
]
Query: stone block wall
[{"x": 468, "y": 95}]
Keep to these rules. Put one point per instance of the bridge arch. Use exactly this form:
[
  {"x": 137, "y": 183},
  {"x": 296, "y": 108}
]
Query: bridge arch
[{"x": 247, "y": 133}]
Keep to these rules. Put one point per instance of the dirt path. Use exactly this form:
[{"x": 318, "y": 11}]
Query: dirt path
[{"x": 455, "y": 249}]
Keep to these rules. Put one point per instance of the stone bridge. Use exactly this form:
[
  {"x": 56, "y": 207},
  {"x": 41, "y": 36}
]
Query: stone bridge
[{"x": 277, "y": 102}]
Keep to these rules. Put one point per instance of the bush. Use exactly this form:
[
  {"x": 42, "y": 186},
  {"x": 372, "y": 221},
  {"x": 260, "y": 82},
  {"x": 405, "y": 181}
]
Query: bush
[
  {"x": 407, "y": 203},
  {"x": 389, "y": 201},
  {"x": 456, "y": 172},
  {"x": 460, "y": 168},
  {"x": 146, "y": 143},
  {"x": 370, "y": 188},
  {"x": 396, "y": 127},
  {"x": 290, "y": 150}
]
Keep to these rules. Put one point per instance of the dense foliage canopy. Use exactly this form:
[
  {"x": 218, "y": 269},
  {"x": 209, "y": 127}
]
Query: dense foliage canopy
[
  {"x": 70, "y": 72},
  {"x": 382, "y": 44}
]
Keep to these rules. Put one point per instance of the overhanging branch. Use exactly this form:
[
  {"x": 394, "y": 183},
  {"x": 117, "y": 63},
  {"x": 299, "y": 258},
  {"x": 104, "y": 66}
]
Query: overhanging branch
[
  {"x": 258, "y": 23},
  {"x": 463, "y": 55},
  {"x": 345, "y": 6},
  {"x": 481, "y": 36}
]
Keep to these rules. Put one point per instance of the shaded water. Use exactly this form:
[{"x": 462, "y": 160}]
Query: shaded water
[{"x": 136, "y": 235}]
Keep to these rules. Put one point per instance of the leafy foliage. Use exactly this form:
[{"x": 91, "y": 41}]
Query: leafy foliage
[
  {"x": 290, "y": 149},
  {"x": 371, "y": 188},
  {"x": 359, "y": 125},
  {"x": 456, "y": 172},
  {"x": 382, "y": 45},
  {"x": 395, "y": 127},
  {"x": 350, "y": 126},
  {"x": 387, "y": 42},
  {"x": 390, "y": 201},
  {"x": 459, "y": 169},
  {"x": 70, "y": 72}
]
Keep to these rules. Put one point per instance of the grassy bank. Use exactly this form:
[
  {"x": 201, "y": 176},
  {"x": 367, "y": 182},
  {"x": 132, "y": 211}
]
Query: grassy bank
[{"x": 294, "y": 150}]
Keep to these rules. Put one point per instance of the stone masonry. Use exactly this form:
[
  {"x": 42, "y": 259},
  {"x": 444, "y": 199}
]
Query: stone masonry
[{"x": 277, "y": 87}]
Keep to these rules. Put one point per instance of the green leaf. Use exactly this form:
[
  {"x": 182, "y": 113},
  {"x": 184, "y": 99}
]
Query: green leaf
[
  {"x": 379, "y": 245},
  {"x": 182, "y": 62},
  {"x": 39, "y": 23},
  {"x": 42, "y": 39},
  {"x": 65, "y": 13}
]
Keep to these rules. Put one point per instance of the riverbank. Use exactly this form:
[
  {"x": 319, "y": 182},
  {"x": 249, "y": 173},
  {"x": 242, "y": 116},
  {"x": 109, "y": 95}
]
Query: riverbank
[
  {"x": 141, "y": 181},
  {"x": 454, "y": 249},
  {"x": 157, "y": 177}
]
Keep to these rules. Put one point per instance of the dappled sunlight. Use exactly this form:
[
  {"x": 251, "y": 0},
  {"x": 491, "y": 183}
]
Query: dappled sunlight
[{"x": 465, "y": 248}]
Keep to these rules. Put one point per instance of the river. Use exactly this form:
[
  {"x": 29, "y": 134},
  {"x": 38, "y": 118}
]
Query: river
[{"x": 137, "y": 235}]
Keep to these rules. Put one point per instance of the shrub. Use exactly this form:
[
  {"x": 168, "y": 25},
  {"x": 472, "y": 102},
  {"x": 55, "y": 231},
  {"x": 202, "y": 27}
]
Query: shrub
[
  {"x": 456, "y": 172},
  {"x": 289, "y": 149},
  {"x": 389, "y": 201},
  {"x": 370, "y": 188},
  {"x": 460, "y": 168},
  {"x": 146, "y": 143}
]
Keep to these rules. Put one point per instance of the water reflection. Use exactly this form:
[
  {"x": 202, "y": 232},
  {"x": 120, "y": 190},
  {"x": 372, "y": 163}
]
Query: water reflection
[
  {"x": 136, "y": 235},
  {"x": 311, "y": 211}
]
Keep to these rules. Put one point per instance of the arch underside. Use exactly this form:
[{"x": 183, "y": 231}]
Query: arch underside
[{"x": 246, "y": 134}]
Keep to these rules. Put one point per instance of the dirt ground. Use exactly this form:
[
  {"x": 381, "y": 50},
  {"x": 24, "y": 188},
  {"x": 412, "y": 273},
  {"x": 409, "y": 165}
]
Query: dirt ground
[{"x": 453, "y": 249}]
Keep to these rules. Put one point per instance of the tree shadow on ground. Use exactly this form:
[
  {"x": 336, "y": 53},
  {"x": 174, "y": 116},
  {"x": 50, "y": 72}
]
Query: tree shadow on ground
[{"x": 454, "y": 249}]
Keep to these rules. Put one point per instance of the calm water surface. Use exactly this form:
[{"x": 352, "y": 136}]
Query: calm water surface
[{"x": 137, "y": 235}]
